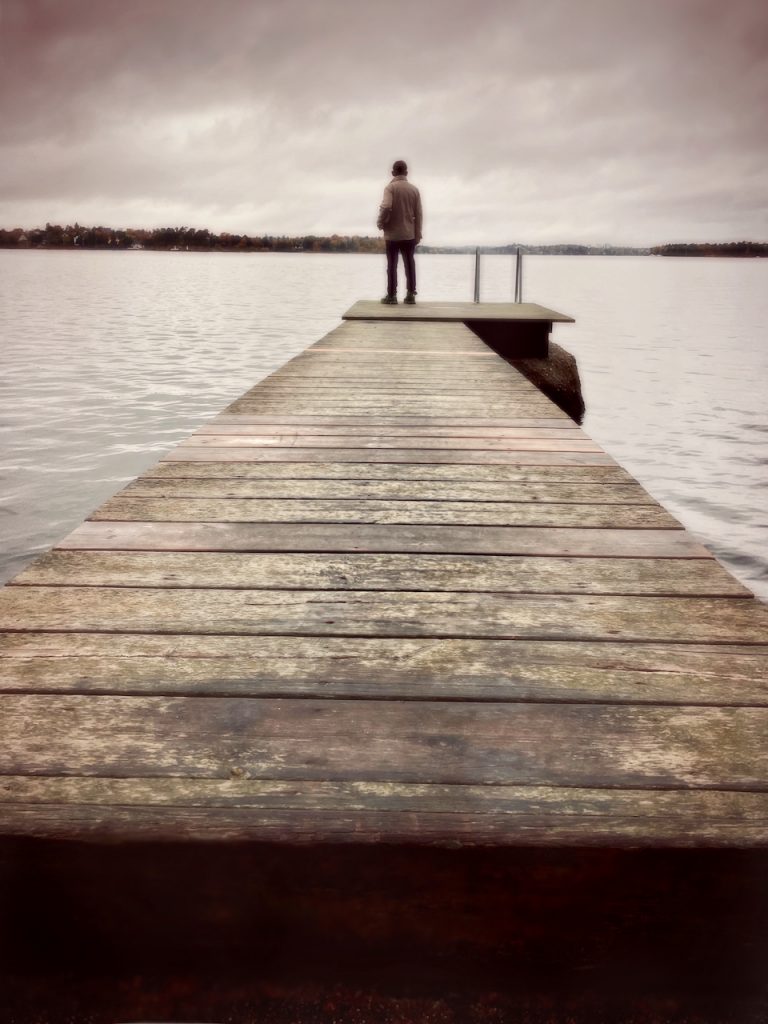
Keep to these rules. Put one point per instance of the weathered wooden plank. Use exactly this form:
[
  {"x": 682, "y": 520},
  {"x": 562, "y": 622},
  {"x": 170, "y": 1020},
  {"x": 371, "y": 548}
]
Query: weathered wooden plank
[
  {"x": 362, "y": 329},
  {"x": 467, "y": 513},
  {"x": 409, "y": 378},
  {"x": 413, "y": 346},
  {"x": 402, "y": 369},
  {"x": 373, "y": 381},
  {"x": 349, "y": 825},
  {"x": 358, "y": 335},
  {"x": 394, "y": 669},
  {"x": 483, "y": 403},
  {"x": 518, "y": 389},
  {"x": 463, "y": 472},
  {"x": 427, "y": 346},
  {"x": 312, "y": 387},
  {"x": 473, "y": 377},
  {"x": 455, "y": 331},
  {"x": 415, "y": 355},
  {"x": 467, "y": 343},
  {"x": 377, "y": 405},
  {"x": 363, "y": 440},
  {"x": 402, "y": 366},
  {"x": 371, "y": 409},
  {"x": 558, "y": 492},
  {"x": 489, "y": 540},
  {"x": 557, "y": 419},
  {"x": 411, "y": 342},
  {"x": 377, "y": 356},
  {"x": 305, "y": 571},
  {"x": 494, "y": 392},
  {"x": 216, "y": 427},
  {"x": 364, "y": 342},
  {"x": 398, "y": 382},
  {"x": 372, "y": 455},
  {"x": 321, "y": 376},
  {"x": 318, "y": 373},
  {"x": 344, "y": 392},
  {"x": 402, "y": 362},
  {"x": 429, "y": 798},
  {"x": 206, "y": 809},
  {"x": 324, "y": 372},
  {"x": 412, "y": 352},
  {"x": 590, "y": 745},
  {"x": 380, "y": 408},
  {"x": 376, "y": 408},
  {"x": 376, "y": 363},
  {"x": 385, "y": 613},
  {"x": 351, "y": 401},
  {"x": 455, "y": 334},
  {"x": 343, "y": 389},
  {"x": 342, "y": 386},
  {"x": 395, "y": 382},
  {"x": 416, "y": 339},
  {"x": 345, "y": 421}
]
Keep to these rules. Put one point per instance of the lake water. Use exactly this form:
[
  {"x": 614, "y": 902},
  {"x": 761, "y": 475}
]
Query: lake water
[{"x": 110, "y": 358}]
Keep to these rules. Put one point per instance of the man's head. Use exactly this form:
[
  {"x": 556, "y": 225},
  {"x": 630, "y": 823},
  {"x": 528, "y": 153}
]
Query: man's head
[{"x": 399, "y": 167}]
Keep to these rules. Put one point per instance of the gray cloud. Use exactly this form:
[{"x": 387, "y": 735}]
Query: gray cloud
[{"x": 593, "y": 120}]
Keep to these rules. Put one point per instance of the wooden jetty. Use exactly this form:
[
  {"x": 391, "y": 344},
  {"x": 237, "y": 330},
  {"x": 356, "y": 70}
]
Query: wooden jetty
[
  {"x": 392, "y": 592},
  {"x": 392, "y": 595},
  {"x": 519, "y": 328}
]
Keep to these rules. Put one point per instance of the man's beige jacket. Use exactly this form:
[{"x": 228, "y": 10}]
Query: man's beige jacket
[{"x": 400, "y": 211}]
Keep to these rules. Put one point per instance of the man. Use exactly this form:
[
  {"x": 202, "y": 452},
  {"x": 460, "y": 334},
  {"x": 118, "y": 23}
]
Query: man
[{"x": 400, "y": 219}]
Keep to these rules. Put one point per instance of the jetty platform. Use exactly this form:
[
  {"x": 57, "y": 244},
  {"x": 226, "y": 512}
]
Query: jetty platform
[
  {"x": 392, "y": 592},
  {"x": 521, "y": 329},
  {"x": 392, "y": 597}
]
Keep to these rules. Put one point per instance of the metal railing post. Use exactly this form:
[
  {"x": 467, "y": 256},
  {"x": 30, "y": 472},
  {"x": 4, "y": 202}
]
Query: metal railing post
[{"x": 477, "y": 275}]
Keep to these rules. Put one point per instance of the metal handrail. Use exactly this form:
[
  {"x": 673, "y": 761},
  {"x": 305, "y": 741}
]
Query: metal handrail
[{"x": 519, "y": 276}]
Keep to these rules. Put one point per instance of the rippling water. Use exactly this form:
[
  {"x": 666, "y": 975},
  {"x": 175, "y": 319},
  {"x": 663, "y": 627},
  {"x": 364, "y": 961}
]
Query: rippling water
[{"x": 110, "y": 358}]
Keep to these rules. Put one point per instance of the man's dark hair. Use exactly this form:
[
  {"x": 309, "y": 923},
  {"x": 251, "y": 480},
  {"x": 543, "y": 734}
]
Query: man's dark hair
[{"x": 399, "y": 167}]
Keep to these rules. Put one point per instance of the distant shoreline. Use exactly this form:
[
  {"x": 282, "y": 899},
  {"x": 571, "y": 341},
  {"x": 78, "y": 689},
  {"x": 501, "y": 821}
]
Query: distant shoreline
[{"x": 56, "y": 237}]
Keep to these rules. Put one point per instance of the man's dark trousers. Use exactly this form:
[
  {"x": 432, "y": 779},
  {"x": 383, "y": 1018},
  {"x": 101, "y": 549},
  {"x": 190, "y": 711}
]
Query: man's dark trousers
[{"x": 406, "y": 247}]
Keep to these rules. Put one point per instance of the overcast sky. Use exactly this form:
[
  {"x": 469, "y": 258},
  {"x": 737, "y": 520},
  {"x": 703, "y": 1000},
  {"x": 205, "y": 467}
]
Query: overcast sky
[{"x": 627, "y": 121}]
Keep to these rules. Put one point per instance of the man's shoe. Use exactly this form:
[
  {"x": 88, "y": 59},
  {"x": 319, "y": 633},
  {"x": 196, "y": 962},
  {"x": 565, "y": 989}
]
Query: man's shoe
[
  {"x": 410, "y": 299},
  {"x": 390, "y": 300}
]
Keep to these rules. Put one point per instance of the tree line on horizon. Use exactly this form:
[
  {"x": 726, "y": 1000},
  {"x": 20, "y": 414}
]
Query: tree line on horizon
[
  {"x": 75, "y": 236},
  {"x": 56, "y": 236},
  {"x": 711, "y": 249}
]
